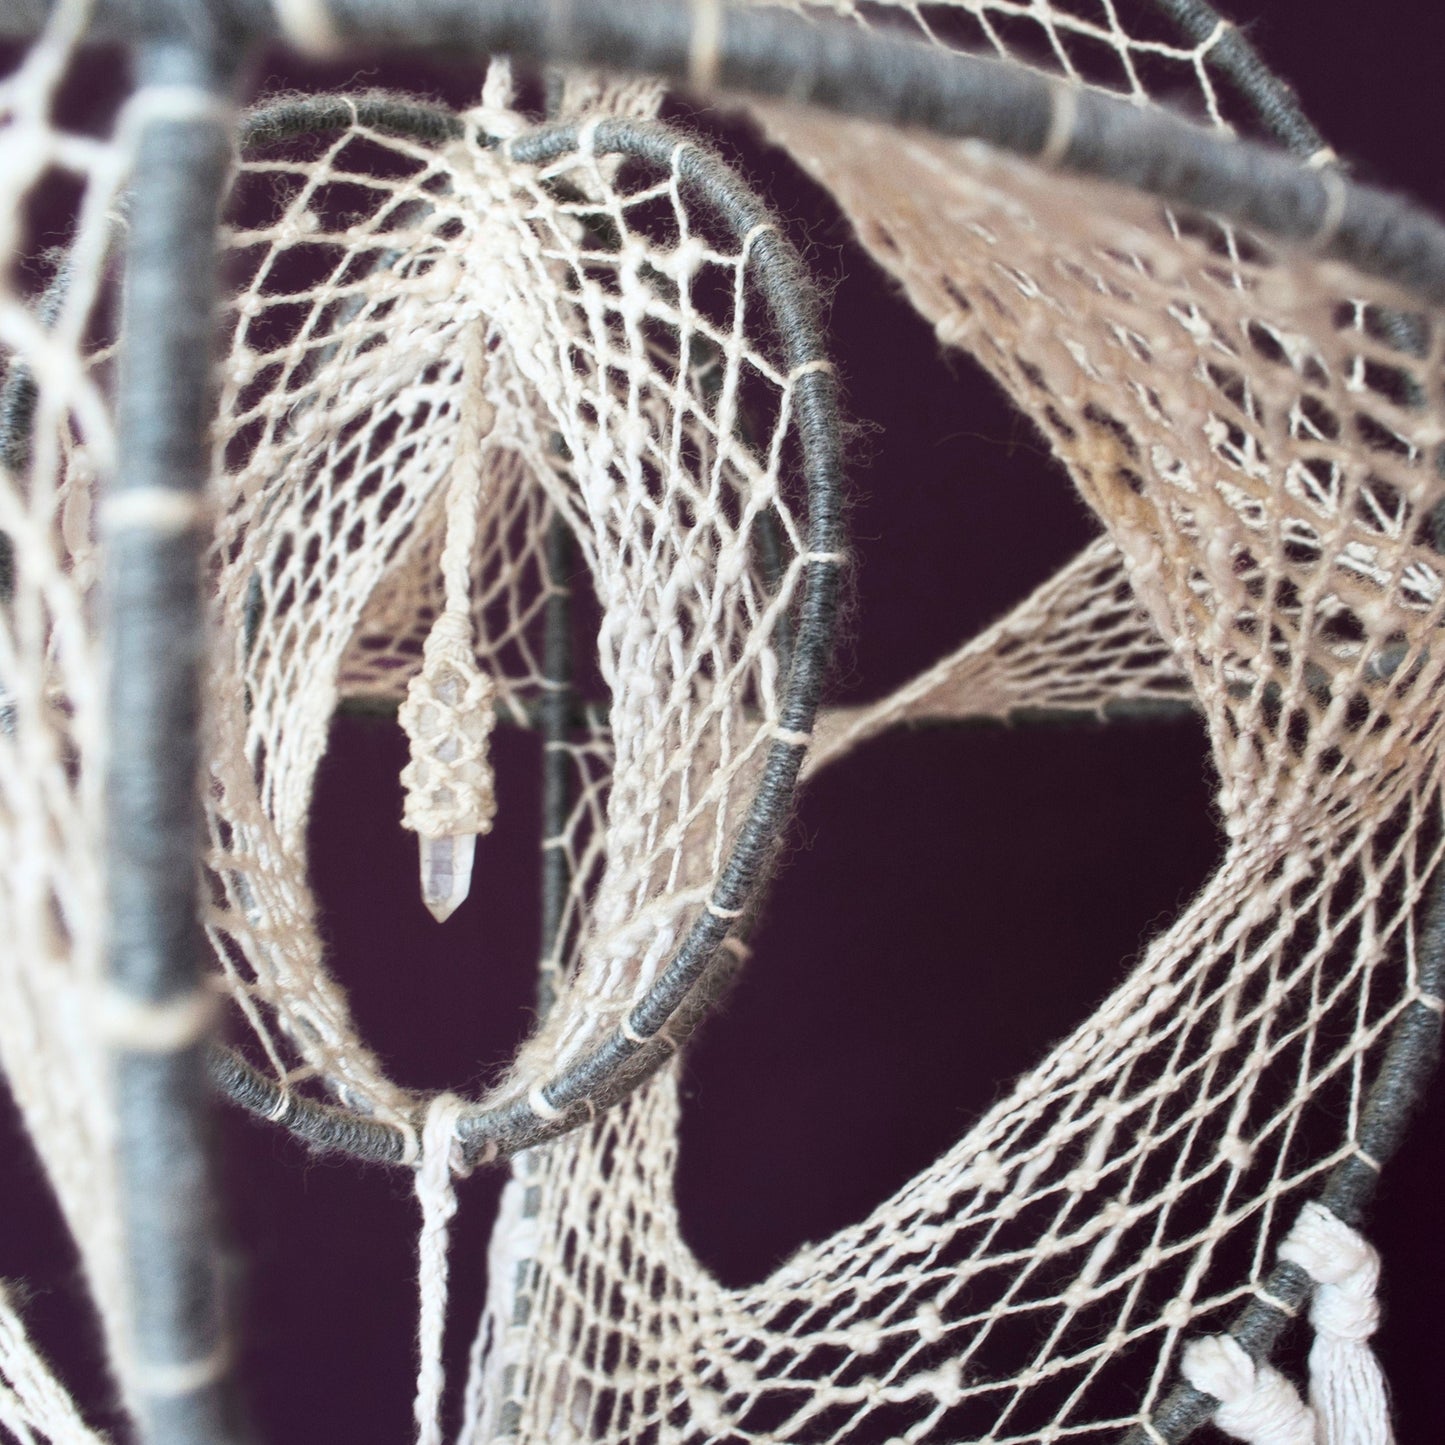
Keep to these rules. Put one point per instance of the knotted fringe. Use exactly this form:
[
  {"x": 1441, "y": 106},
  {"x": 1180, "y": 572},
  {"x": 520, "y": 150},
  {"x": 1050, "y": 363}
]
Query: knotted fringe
[
  {"x": 440, "y": 1157},
  {"x": 1347, "y": 1387},
  {"x": 1348, "y": 1404},
  {"x": 1256, "y": 1403}
]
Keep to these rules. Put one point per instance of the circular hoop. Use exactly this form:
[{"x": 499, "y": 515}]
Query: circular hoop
[{"x": 678, "y": 997}]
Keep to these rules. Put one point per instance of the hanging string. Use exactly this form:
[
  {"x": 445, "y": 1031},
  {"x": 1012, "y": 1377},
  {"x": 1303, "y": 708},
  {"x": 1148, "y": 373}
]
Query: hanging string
[
  {"x": 448, "y": 713},
  {"x": 1347, "y": 1387},
  {"x": 1256, "y": 1403},
  {"x": 441, "y": 1158}
]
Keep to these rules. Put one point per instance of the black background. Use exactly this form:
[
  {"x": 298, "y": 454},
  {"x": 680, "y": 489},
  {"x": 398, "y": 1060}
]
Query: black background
[{"x": 950, "y": 902}]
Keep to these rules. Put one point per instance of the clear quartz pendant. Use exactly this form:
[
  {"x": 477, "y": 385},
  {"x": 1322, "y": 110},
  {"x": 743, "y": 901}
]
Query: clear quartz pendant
[
  {"x": 446, "y": 862},
  {"x": 446, "y": 872}
]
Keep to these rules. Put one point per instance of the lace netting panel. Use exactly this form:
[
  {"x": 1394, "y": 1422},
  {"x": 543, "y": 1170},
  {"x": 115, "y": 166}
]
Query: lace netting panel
[
  {"x": 1258, "y": 431},
  {"x": 1259, "y": 444},
  {"x": 1142, "y": 53},
  {"x": 1263, "y": 456},
  {"x": 59, "y": 439},
  {"x": 622, "y": 341}
]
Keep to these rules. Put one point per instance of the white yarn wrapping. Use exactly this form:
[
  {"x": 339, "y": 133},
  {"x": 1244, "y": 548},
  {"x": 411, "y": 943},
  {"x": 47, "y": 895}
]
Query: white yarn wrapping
[
  {"x": 1256, "y": 1403},
  {"x": 1347, "y": 1386}
]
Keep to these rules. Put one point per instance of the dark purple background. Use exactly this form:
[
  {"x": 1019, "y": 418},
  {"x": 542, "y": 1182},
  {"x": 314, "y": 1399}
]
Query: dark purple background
[{"x": 950, "y": 903}]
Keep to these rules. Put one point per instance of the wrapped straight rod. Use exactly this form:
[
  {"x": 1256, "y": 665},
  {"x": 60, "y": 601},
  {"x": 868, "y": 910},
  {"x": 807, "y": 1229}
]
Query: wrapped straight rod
[
  {"x": 558, "y": 703},
  {"x": 896, "y": 80},
  {"x": 152, "y": 520}
]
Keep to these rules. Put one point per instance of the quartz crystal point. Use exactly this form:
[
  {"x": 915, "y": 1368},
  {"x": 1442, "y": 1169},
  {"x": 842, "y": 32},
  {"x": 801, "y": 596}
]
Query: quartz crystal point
[
  {"x": 446, "y": 862},
  {"x": 446, "y": 872},
  {"x": 448, "y": 781}
]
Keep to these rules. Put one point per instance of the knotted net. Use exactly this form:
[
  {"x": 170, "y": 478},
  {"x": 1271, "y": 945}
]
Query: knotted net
[
  {"x": 1255, "y": 421},
  {"x": 1261, "y": 453},
  {"x": 616, "y": 334}
]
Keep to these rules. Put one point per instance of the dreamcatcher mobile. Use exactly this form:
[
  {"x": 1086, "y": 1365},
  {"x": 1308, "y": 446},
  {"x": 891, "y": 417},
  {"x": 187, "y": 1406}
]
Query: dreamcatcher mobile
[{"x": 455, "y": 358}]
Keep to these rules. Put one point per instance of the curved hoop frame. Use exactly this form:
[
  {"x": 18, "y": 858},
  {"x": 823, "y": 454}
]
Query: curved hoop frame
[
  {"x": 768, "y": 54},
  {"x": 659, "y": 1020},
  {"x": 1381, "y": 236}
]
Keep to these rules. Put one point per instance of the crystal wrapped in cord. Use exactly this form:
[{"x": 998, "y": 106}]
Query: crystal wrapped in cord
[{"x": 450, "y": 796}]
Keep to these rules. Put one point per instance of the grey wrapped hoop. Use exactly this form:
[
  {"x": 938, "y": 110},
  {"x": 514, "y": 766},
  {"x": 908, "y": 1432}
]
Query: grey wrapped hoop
[
  {"x": 675, "y": 1001},
  {"x": 893, "y": 81}
]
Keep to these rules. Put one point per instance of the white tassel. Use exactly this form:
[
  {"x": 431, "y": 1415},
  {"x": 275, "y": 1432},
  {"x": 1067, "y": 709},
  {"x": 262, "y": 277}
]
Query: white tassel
[
  {"x": 1347, "y": 1387},
  {"x": 1256, "y": 1403}
]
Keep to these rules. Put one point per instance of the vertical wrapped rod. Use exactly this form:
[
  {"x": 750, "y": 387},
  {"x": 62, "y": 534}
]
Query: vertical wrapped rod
[
  {"x": 558, "y": 703},
  {"x": 153, "y": 519}
]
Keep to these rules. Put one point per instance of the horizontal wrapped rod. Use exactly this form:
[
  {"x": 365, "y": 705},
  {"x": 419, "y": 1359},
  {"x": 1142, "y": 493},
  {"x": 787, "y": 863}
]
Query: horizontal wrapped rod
[
  {"x": 1226, "y": 51},
  {"x": 844, "y": 68}
]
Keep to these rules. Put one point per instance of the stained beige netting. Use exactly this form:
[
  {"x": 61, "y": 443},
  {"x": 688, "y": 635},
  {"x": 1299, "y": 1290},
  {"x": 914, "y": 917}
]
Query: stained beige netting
[
  {"x": 1266, "y": 468},
  {"x": 441, "y": 357}
]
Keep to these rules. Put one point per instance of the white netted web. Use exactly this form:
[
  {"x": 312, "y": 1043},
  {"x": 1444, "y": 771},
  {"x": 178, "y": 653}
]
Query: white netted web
[
  {"x": 1255, "y": 428},
  {"x": 1079, "y": 644},
  {"x": 54, "y": 1016},
  {"x": 1265, "y": 465},
  {"x": 622, "y": 338},
  {"x": 1173, "y": 52},
  {"x": 1140, "y": 53}
]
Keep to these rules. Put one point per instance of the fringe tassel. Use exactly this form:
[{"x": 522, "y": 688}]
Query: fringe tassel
[
  {"x": 1256, "y": 1403},
  {"x": 1347, "y": 1387}
]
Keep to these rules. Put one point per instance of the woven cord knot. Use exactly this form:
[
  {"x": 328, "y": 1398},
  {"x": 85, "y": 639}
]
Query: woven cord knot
[
  {"x": 1347, "y": 1387},
  {"x": 448, "y": 717},
  {"x": 1256, "y": 1403}
]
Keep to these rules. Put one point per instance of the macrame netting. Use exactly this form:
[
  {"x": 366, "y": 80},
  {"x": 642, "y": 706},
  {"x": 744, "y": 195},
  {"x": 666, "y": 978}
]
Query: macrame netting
[
  {"x": 622, "y": 342},
  {"x": 1258, "y": 430},
  {"x": 1266, "y": 470}
]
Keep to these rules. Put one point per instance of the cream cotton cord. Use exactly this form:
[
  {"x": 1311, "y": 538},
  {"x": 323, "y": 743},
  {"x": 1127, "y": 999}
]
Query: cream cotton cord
[
  {"x": 448, "y": 712},
  {"x": 435, "y": 1191}
]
